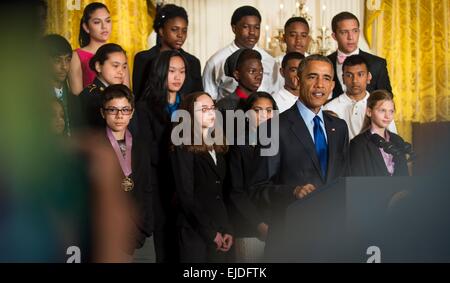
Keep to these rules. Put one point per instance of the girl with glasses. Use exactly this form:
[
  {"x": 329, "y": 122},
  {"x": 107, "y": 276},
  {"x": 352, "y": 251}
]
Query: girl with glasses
[{"x": 204, "y": 231}]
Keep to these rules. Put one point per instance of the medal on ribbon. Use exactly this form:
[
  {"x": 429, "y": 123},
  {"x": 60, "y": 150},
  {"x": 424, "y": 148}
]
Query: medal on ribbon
[{"x": 125, "y": 162}]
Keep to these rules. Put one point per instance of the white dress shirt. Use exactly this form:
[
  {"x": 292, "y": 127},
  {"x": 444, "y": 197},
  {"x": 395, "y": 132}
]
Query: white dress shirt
[
  {"x": 218, "y": 85},
  {"x": 284, "y": 99},
  {"x": 353, "y": 112}
]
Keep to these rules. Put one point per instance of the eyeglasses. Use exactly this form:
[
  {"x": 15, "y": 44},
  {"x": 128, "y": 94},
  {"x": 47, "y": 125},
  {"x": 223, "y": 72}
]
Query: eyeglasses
[
  {"x": 206, "y": 109},
  {"x": 114, "y": 111}
]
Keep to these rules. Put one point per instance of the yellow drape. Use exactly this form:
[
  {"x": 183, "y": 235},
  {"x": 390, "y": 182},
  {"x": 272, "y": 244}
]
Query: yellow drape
[
  {"x": 131, "y": 23},
  {"x": 414, "y": 37}
]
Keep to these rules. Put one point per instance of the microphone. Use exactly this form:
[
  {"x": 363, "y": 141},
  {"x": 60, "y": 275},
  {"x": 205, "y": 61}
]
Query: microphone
[
  {"x": 388, "y": 147},
  {"x": 395, "y": 148}
]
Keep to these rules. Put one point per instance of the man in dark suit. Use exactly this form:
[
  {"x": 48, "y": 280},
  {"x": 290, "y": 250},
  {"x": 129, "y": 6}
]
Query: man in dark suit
[
  {"x": 346, "y": 32},
  {"x": 313, "y": 150}
]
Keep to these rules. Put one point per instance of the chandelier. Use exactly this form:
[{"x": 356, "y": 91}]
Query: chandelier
[{"x": 321, "y": 44}]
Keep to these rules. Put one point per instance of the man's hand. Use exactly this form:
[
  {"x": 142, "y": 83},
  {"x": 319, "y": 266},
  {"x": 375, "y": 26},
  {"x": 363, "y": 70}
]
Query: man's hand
[{"x": 302, "y": 191}]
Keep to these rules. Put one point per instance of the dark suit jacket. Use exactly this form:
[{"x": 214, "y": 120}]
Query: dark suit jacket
[
  {"x": 366, "y": 158},
  {"x": 296, "y": 163},
  {"x": 90, "y": 103},
  {"x": 199, "y": 186},
  {"x": 141, "y": 194},
  {"x": 143, "y": 64},
  {"x": 377, "y": 67},
  {"x": 244, "y": 214},
  {"x": 157, "y": 131}
]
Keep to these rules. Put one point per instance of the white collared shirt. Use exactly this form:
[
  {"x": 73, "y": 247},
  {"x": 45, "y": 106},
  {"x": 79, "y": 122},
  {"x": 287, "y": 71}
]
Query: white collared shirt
[
  {"x": 339, "y": 71},
  {"x": 58, "y": 93},
  {"x": 218, "y": 85},
  {"x": 353, "y": 112},
  {"x": 212, "y": 152},
  {"x": 284, "y": 99}
]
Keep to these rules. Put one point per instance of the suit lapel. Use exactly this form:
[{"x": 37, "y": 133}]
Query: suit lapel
[
  {"x": 216, "y": 168},
  {"x": 377, "y": 158},
  {"x": 298, "y": 127},
  {"x": 332, "y": 143}
]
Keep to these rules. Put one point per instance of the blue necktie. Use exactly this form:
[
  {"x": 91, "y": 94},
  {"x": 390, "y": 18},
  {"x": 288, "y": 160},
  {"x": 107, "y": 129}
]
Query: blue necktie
[{"x": 321, "y": 145}]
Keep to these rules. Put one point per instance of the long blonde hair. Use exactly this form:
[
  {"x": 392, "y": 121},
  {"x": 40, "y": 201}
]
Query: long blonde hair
[{"x": 374, "y": 98}]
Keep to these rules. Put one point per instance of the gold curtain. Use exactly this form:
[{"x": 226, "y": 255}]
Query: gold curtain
[
  {"x": 131, "y": 22},
  {"x": 414, "y": 37}
]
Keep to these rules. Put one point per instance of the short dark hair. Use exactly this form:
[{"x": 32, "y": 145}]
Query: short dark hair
[
  {"x": 296, "y": 20},
  {"x": 291, "y": 56},
  {"x": 102, "y": 54},
  {"x": 117, "y": 91},
  {"x": 314, "y": 57},
  {"x": 255, "y": 96},
  {"x": 56, "y": 45},
  {"x": 340, "y": 17},
  {"x": 355, "y": 60},
  {"x": 244, "y": 11},
  {"x": 167, "y": 12}
]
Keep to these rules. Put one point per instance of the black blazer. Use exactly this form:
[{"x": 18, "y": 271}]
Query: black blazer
[
  {"x": 377, "y": 67},
  {"x": 199, "y": 187},
  {"x": 296, "y": 163},
  {"x": 141, "y": 195},
  {"x": 144, "y": 60},
  {"x": 366, "y": 158},
  {"x": 90, "y": 103},
  {"x": 244, "y": 214}
]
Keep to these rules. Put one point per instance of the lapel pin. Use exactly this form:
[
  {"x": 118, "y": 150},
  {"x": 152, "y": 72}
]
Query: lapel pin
[{"x": 333, "y": 129}]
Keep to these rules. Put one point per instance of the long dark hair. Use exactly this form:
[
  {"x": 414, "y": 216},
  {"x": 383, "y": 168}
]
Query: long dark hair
[
  {"x": 156, "y": 89},
  {"x": 187, "y": 104},
  {"x": 83, "y": 37}
]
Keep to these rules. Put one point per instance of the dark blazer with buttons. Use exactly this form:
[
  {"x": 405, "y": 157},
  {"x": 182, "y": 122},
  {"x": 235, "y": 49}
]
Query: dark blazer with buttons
[
  {"x": 244, "y": 213},
  {"x": 366, "y": 158},
  {"x": 141, "y": 194},
  {"x": 295, "y": 164},
  {"x": 143, "y": 64},
  {"x": 90, "y": 103},
  {"x": 199, "y": 188},
  {"x": 377, "y": 67}
]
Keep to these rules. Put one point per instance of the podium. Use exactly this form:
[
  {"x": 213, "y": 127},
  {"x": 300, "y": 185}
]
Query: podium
[{"x": 364, "y": 219}]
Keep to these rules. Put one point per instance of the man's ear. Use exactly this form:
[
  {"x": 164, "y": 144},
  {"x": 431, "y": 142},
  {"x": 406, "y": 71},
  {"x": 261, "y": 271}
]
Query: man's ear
[
  {"x": 101, "y": 113},
  {"x": 281, "y": 72},
  {"x": 236, "y": 75},
  {"x": 233, "y": 28},
  {"x": 369, "y": 77},
  {"x": 333, "y": 34}
]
